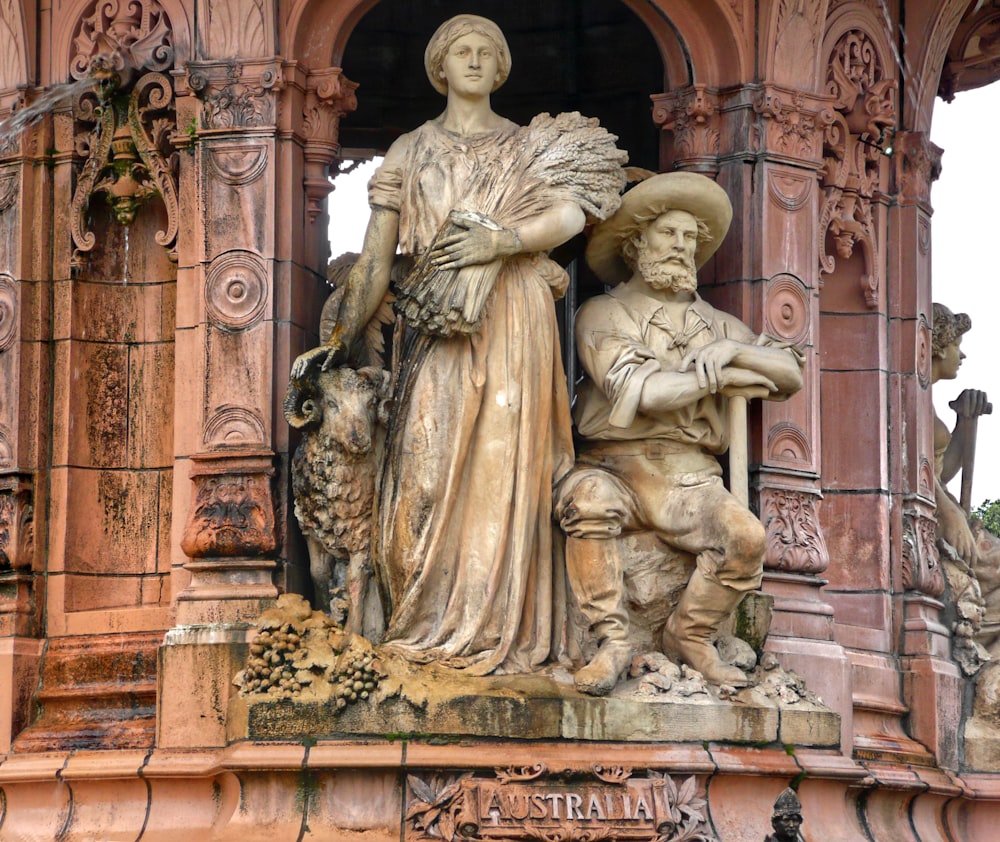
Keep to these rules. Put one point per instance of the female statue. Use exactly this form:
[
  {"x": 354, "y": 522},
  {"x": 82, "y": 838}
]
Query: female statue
[
  {"x": 970, "y": 569},
  {"x": 479, "y": 430}
]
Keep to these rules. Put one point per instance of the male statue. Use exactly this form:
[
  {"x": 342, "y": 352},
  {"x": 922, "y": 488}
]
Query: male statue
[{"x": 660, "y": 366}]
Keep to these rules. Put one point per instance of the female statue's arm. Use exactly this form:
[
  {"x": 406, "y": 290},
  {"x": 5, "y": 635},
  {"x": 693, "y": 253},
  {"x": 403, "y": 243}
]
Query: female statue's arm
[
  {"x": 477, "y": 244},
  {"x": 365, "y": 288}
]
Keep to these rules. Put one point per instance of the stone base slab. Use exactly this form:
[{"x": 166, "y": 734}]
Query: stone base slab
[{"x": 540, "y": 708}]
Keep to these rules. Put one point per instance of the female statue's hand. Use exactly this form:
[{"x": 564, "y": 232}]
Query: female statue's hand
[
  {"x": 323, "y": 356},
  {"x": 971, "y": 404},
  {"x": 954, "y": 528},
  {"x": 474, "y": 245}
]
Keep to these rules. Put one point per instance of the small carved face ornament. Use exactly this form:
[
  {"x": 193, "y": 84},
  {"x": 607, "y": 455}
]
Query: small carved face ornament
[
  {"x": 786, "y": 826},
  {"x": 471, "y": 65},
  {"x": 672, "y": 238}
]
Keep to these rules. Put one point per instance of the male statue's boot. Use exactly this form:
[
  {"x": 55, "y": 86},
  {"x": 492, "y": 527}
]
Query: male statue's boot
[
  {"x": 595, "y": 577},
  {"x": 691, "y": 628}
]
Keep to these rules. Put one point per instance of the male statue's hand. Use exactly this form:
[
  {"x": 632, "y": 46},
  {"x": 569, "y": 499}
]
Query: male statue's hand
[
  {"x": 710, "y": 361},
  {"x": 971, "y": 404},
  {"x": 742, "y": 382}
]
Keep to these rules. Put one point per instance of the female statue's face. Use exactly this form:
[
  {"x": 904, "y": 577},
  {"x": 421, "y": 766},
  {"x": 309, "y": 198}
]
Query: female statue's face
[
  {"x": 470, "y": 66},
  {"x": 950, "y": 360}
]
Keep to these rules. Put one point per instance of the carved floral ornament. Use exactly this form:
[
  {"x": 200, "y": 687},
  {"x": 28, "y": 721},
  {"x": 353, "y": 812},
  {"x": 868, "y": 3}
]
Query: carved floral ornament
[
  {"x": 863, "y": 111},
  {"x": 235, "y": 95},
  {"x": 535, "y": 803},
  {"x": 126, "y": 125}
]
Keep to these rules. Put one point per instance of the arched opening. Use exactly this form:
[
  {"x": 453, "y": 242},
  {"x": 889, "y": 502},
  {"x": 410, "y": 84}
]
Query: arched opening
[{"x": 566, "y": 57}]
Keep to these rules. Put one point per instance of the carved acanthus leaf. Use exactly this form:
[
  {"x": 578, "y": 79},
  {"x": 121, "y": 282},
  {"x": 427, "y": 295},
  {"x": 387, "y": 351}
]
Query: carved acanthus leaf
[
  {"x": 920, "y": 563},
  {"x": 329, "y": 95},
  {"x": 795, "y": 542},
  {"x": 918, "y": 166},
  {"x": 17, "y": 516},
  {"x": 236, "y": 28},
  {"x": 692, "y": 116},
  {"x": 235, "y": 96},
  {"x": 790, "y": 124}
]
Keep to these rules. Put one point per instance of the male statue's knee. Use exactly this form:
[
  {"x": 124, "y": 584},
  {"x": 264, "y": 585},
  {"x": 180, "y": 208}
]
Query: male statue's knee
[
  {"x": 747, "y": 543},
  {"x": 592, "y": 509}
]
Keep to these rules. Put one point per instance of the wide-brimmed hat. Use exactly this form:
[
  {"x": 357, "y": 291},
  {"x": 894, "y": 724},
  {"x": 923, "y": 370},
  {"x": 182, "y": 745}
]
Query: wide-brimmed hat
[{"x": 687, "y": 191}]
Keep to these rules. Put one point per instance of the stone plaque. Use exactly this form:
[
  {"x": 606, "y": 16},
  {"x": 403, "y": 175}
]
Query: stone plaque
[{"x": 528, "y": 804}]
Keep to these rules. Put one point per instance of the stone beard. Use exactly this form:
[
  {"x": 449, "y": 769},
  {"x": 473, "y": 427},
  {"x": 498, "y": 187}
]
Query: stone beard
[{"x": 672, "y": 271}]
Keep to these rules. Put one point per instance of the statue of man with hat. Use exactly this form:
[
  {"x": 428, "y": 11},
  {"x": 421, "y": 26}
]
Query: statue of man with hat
[{"x": 660, "y": 365}]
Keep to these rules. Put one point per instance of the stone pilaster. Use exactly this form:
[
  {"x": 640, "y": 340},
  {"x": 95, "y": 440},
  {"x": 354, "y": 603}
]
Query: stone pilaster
[
  {"x": 932, "y": 686},
  {"x": 766, "y": 275}
]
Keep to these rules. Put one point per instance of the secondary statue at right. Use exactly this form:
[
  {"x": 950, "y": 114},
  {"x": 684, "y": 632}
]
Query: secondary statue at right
[{"x": 661, "y": 365}]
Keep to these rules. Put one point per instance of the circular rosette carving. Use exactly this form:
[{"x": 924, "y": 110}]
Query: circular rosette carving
[
  {"x": 924, "y": 344},
  {"x": 236, "y": 290},
  {"x": 8, "y": 312},
  {"x": 787, "y": 312}
]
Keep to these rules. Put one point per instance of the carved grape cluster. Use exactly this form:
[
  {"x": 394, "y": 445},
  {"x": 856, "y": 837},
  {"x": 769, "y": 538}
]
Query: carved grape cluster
[
  {"x": 302, "y": 655},
  {"x": 358, "y": 678},
  {"x": 271, "y": 669}
]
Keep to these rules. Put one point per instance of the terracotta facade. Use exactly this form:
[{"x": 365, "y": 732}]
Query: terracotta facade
[{"x": 162, "y": 263}]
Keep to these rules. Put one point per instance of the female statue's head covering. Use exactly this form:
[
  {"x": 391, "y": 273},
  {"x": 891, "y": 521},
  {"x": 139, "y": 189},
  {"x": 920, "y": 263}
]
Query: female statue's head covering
[
  {"x": 948, "y": 328},
  {"x": 453, "y": 29}
]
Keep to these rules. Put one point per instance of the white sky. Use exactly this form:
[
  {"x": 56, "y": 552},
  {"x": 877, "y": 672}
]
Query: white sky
[{"x": 964, "y": 232}]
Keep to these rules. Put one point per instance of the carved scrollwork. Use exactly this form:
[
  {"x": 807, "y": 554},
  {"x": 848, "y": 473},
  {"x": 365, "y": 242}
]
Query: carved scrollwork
[
  {"x": 795, "y": 542},
  {"x": 130, "y": 158},
  {"x": 863, "y": 112},
  {"x": 921, "y": 564},
  {"x": 134, "y": 34},
  {"x": 692, "y": 116},
  {"x": 236, "y": 290},
  {"x": 8, "y": 312}
]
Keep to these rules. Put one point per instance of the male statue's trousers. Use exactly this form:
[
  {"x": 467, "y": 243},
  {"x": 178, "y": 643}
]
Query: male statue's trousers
[{"x": 675, "y": 490}]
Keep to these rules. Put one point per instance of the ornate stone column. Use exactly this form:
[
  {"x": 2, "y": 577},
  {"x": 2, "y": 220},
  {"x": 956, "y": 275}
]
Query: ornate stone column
[
  {"x": 24, "y": 400},
  {"x": 262, "y": 136},
  {"x": 764, "y": 145},
  {"x": 932, "y": 686}
]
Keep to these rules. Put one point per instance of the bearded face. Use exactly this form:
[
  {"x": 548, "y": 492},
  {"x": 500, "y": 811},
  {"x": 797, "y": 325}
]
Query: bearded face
[{"x": 665, "y": 250}]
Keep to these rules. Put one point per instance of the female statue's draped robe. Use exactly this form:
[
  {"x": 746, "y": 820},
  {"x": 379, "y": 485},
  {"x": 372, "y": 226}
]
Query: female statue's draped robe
[{"x": 482, "y": 433}]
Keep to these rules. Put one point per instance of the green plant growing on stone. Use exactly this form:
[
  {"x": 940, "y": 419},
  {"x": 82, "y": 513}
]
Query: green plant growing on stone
[{"x": 989, "y": 513}]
